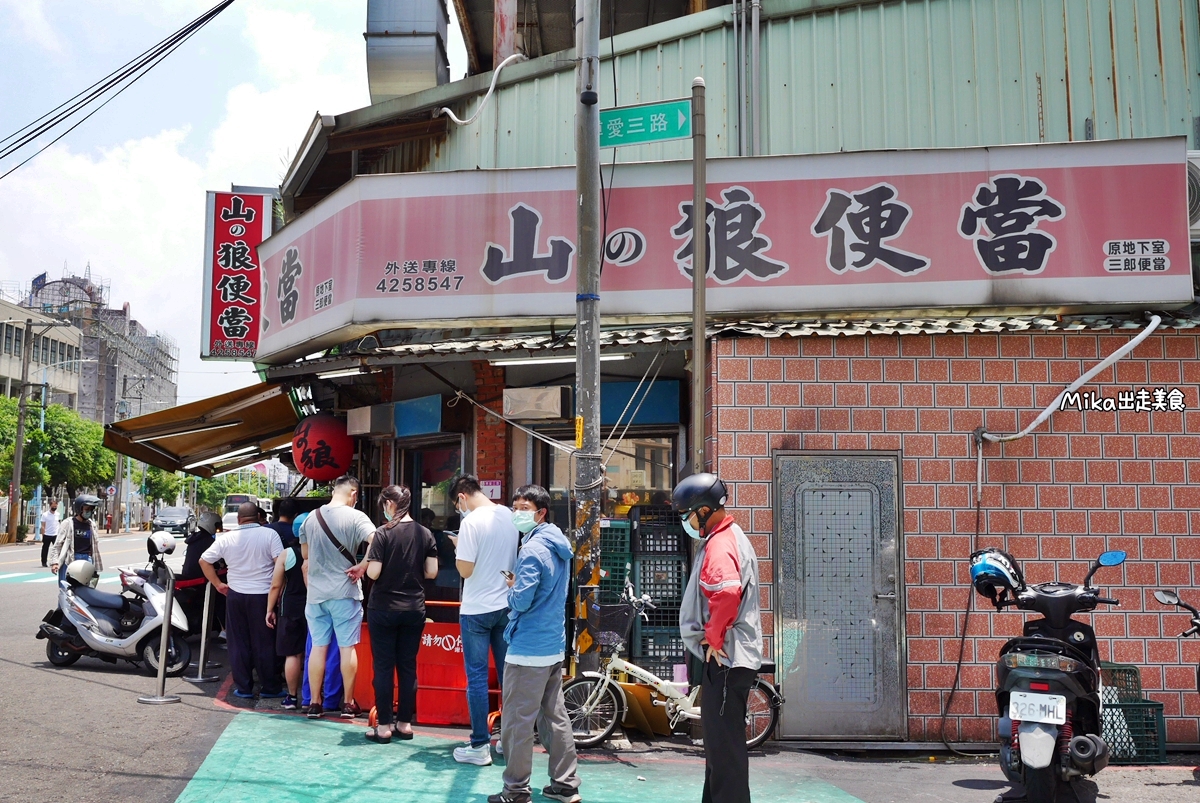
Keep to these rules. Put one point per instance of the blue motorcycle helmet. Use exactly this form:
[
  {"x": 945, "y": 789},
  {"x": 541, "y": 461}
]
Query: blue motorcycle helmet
[{"x": 996, "y": 575}]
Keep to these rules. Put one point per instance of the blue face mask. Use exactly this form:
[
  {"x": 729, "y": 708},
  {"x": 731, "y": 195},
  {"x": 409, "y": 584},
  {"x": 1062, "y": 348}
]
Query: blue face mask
[
  {"x": 387, "y": 515},
  {"x": 690, "y": 530}
]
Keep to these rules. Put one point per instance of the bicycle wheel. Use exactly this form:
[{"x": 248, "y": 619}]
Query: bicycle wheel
[
  {"x": 594, "y": 709},
  {"x": 762, "y": 712}
]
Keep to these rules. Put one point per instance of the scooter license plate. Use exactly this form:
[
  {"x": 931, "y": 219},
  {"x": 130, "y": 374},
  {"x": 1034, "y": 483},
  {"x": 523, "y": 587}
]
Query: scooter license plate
[{"x": 1048, "y": 708}]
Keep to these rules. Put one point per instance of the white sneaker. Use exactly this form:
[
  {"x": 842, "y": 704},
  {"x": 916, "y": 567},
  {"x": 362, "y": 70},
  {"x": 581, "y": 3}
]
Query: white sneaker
[
  {"x": 499, "y": 748},
  {"x": 480, "y": 756}
]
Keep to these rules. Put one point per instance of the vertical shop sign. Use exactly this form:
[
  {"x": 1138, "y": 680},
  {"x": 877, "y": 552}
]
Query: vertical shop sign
[{"x": 235, "y": 225}]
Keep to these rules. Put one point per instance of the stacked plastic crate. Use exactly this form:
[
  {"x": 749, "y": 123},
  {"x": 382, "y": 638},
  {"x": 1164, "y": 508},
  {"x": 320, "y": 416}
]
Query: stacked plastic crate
[{"x": 660, "y": 569}]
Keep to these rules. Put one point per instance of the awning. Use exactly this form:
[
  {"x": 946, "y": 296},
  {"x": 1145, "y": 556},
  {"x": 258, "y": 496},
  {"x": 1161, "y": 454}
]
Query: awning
[{"x": 212, "y": 435}]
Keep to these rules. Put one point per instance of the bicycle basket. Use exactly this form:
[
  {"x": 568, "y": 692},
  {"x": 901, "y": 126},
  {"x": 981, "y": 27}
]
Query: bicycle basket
[{"x": 609, "y": 625}]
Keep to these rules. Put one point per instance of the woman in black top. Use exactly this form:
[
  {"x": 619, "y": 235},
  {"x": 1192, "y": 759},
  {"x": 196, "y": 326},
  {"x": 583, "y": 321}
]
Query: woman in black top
[{"x": 402, "y": 553}]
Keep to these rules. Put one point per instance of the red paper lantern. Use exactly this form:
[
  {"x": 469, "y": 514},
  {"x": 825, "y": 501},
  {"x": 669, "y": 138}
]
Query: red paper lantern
[{"x": 321, "y": 449}]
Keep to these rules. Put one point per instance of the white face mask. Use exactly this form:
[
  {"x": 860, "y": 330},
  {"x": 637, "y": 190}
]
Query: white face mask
[
  {"x": 524, "y": 520},
  {"x": 690, "y": 530}
]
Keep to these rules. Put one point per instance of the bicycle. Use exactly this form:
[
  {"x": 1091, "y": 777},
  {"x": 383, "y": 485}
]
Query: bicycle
[{"x": 596, "y": 702}]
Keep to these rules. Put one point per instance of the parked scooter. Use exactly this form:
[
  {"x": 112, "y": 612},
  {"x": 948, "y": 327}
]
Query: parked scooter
[
  {"x": 117, "y": 626},
  {"x": 1048, "y": 691},
  {"x": 1172, "y": 598}
]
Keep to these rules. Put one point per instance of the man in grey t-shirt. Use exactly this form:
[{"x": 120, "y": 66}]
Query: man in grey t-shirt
[{"x": 334, "y": 597}]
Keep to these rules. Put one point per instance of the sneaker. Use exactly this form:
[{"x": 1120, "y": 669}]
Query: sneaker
[
  {"x": 243, "y": 695},
  {"x": 565, "y": 794},
  {"x": 480, "y": 756},
  {"x": 289, "y": 703},
  {"x": 499, "y": 747},
  {"x": 313, "y": 711},
  {"x": 351, "y": 710},
  {"x": 272, "y": 695},
  {"x": 508, "y": 796}
]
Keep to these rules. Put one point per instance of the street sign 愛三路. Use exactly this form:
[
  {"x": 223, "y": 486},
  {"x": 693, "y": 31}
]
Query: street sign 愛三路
[{"x": 646, "y": 123}]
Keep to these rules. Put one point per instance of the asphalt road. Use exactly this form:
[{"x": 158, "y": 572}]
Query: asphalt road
[{"x": 79, "y": 733}]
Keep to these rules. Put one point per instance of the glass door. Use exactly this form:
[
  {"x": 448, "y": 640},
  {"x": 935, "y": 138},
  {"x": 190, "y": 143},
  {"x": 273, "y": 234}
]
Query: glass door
[{"x": 428, "y": 470}]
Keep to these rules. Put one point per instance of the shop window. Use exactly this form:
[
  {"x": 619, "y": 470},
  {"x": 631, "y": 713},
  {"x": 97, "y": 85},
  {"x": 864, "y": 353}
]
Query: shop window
[{"x": 640, "y": 471}]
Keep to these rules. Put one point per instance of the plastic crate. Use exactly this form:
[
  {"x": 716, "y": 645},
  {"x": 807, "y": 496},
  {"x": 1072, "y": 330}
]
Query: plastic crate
[
  {"x": 657, "y": 530},
  {"x": 662, "y": 616},
  {"x": 614, "y": 565},
  {"x": 1136, "y": 732},
  {"x": 658, "y": 648},
  {"x": 614, "y": 536},
  {"x": 663, "y": 578},
  {"x": 1120, "y": 683}
]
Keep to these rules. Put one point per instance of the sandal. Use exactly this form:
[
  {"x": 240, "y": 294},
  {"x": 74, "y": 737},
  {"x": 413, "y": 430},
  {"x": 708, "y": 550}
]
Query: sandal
[
  {"x": 403, "y": 736},
  {"x": 374, "y": 736}
]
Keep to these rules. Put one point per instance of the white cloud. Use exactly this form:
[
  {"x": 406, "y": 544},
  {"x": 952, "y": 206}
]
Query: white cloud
[
  {"x": 31, "y": 15},
  {"x": 135, "y": 210}
]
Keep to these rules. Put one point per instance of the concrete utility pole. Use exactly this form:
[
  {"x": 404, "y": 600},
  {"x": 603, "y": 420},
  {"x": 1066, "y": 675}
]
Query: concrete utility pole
[
  {"x": 14, "y": 501},
  {"x": 699, "y": 273},
  {"x": 589, "y": 477}
]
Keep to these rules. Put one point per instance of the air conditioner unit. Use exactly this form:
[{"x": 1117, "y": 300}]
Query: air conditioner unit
[
  {"x": 537, "y": 403},
  {"x": 1193, "y": 185}
]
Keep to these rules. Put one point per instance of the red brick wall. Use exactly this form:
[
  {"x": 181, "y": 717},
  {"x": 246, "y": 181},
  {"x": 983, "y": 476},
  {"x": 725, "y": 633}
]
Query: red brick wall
[
  {"x": 491, "y": 433},
  {"x": 1083, "y": 483}
]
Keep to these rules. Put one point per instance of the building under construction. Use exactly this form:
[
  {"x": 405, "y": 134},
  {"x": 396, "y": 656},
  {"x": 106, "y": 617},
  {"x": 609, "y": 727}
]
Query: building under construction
[{"x": 126, "y": 370}]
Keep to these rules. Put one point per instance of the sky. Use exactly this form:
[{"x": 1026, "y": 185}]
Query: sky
[{"x": 125, "y": 192}]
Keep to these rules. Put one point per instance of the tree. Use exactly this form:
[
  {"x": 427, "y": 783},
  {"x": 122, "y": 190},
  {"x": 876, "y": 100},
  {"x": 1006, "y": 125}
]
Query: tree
[
  {"x": 210, "y": 493},
  {"x": 164, "y": 485},
  {"x": 75, "y": 453}
]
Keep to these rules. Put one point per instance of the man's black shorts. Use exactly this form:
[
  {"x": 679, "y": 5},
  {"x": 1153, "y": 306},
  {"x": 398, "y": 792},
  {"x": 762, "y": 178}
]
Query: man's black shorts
[{"x": 290, "y": 634}]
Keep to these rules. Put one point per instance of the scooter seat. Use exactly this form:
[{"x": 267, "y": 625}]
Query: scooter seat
[{"x": 100, "y": 599}]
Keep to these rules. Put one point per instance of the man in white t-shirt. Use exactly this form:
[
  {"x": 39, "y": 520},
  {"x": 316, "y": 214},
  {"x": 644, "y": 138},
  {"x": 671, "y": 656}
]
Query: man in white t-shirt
[
  {"x": 249, "y": 551},
  {"x": 487, "y": 549},
  {"x": 49, "y": 529}
]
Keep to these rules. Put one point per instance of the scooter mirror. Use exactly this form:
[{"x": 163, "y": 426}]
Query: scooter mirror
[
  {"x": 1114, "y": 558},
  {"x": 1167, "y": 597}
]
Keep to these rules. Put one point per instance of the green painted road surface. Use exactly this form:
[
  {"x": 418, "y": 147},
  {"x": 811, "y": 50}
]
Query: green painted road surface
[{"x": 286, "y": 759}]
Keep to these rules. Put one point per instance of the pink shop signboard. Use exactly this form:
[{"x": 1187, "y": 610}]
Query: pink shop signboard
[{"x": 1065, "y": 227}]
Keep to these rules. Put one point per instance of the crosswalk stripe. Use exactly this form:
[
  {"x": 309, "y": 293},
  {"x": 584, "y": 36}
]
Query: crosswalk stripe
[
  {"x": 49, "y": 579},
  {"x": 110, "y": 579},
  {"x": 15, "y": 574}
]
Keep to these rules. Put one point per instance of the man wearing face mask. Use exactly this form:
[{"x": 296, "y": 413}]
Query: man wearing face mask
[
  {"x": 77, "y": 538},
  {"x": 537, "y": 642},
  {"x": 720, "y": 622},
  {"x": 487, "y": 548}
]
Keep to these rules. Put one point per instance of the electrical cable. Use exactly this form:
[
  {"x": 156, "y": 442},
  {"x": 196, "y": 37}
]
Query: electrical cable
[
  {"x": 495, "y": 77},
  {"x": 632, "y": 396},
  {"x": 159, "y": 53},
  {"x": 628, "y": 423},
  {"x": 962, "y": 640},
  {"x": 606, "y": 197}
]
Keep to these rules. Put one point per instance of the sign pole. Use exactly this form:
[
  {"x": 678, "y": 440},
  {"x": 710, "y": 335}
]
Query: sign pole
[
  {"x": 588, "y": 470},
  {"x": 699, "y": 274},
  {"x": 162, "y": 698}
]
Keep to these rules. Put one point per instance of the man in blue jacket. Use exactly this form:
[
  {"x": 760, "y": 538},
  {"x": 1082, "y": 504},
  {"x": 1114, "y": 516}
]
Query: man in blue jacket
[{"x": 537, "y": 641}]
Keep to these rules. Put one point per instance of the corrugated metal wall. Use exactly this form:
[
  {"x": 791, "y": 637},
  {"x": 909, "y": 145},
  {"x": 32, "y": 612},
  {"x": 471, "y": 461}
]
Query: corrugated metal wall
[
  {"x": 916, "y": 73},
  {"x": 941, "y": 73}
]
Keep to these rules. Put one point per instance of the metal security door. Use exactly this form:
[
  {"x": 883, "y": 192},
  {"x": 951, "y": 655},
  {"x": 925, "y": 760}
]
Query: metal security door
[{"x": 840, "y": 633}]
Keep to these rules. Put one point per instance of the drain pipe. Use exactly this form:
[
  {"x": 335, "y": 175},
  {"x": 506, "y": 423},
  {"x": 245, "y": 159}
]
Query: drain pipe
[
  {"x": 739, "y": 40},
  {"x": 755, "y": 73},
  {"x": 1078, "y": 383}
]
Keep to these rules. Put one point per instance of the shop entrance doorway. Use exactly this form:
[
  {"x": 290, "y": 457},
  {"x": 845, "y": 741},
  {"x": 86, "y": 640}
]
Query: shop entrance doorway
[
  {"x": 428, "y": 469},
  {"x": 839, "y": 601}
]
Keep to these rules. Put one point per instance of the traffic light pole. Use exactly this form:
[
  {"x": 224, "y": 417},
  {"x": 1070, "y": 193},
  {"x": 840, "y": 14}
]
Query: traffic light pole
[{"x": 589, "y": 477}]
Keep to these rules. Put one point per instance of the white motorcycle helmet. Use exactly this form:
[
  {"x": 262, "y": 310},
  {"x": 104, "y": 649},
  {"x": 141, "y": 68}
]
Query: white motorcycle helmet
[
  {"x": 160, "y": 543},
  {"x": 82, "y": 572}
]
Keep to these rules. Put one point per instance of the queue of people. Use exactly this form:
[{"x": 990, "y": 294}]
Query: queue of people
[{"x": 295, "y": 583}]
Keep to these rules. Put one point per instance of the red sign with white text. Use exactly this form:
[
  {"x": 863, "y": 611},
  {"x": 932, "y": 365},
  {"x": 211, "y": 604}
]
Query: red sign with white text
[
  {"x": 235, "y": 225},
  {"x": 1058, "y": 227}
]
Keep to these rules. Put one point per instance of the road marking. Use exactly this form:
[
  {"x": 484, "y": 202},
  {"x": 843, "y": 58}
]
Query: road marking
[
  {"x": 15, "y": 574},
  {"x": 49, "y": 579},
  {"x": 110, "y": 579}
]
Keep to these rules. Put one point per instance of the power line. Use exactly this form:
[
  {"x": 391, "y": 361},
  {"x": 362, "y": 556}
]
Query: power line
[{"x": 122, "y": 78}]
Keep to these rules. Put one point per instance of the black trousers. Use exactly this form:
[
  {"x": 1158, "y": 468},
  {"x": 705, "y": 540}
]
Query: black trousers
[
  {"x": 395, "y": 640},
  {"x": 250, "y": 642},
  {"x": 47, "y": 542},
  {"x": 723, "y": 694}
]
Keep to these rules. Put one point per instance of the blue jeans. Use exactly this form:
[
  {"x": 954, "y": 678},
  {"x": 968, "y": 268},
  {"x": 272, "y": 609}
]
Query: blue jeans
[{"x": 480, "y": 631}]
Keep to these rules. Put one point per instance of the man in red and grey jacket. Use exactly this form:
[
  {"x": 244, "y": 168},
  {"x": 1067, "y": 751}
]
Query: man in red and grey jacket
[{"x": 720, "y": 622}]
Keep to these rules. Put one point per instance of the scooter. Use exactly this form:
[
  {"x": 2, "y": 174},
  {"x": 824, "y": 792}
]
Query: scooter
[
  {"x": 124, "y": 626},
  {"x": 1172, "y": 598},
  {"x": 1048, "y": 691}
]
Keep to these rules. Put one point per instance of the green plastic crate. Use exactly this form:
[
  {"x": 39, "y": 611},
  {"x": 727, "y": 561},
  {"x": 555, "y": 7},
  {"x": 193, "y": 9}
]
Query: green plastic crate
[
  {"x": 614, "y": 536},
  {"x": 1120, "y": 683},
  {"x": 1136, "y": 732}
]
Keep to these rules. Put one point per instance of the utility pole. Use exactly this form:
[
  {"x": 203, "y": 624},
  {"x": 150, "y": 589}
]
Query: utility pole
[
  {"x": 699, "y": 273},
  {"x": 15, "y": 500},
  {"x": 589, "y": 477}
]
